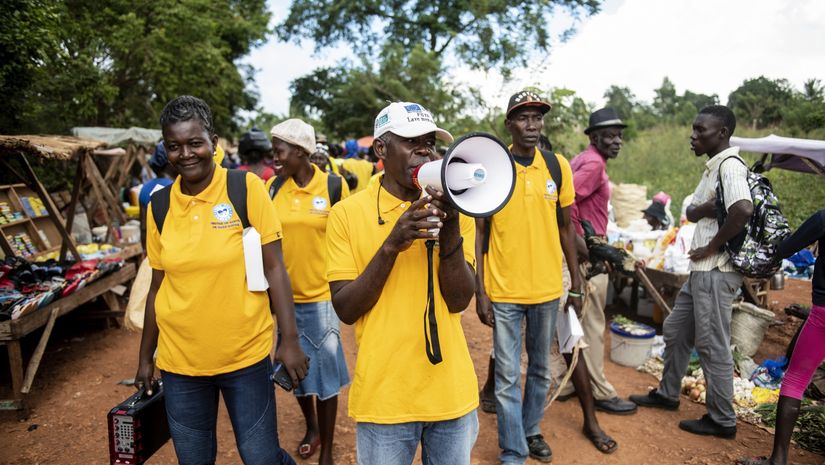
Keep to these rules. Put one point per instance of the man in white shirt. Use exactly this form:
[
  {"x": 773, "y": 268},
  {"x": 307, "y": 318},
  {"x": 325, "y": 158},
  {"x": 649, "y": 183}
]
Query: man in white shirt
[{"x": 702, "y": 312}]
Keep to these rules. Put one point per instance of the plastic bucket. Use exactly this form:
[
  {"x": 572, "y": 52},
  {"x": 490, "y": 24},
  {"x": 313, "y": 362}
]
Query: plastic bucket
[{"x": 630, "y": 350}]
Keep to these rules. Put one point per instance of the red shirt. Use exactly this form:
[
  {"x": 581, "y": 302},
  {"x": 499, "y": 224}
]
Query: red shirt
[
  {"x": 592, "y": 190},
  {"x": 265, "y": 171}
]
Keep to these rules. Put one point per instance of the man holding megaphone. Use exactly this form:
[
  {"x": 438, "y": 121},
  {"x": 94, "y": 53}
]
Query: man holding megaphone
[{"x": 401, "y": 269}]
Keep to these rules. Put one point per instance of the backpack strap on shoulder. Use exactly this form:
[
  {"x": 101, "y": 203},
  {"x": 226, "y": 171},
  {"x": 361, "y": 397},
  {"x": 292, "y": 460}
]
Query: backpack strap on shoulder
[
  {"x": 555, "y": 172},
  {"x": 334, "y": 188},
  {"x": 276, "y": 186},
  {"x": 159, "y": 204},
  {"x": 236, "y": 188}
]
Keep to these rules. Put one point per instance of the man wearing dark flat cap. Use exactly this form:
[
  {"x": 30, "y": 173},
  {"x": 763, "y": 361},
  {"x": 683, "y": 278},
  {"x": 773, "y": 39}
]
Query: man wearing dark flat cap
[{"x": 592, "y": 194}]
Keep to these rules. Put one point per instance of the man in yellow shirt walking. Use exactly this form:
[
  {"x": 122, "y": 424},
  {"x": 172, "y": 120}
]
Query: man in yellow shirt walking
[{"x": 388, "y": 271}]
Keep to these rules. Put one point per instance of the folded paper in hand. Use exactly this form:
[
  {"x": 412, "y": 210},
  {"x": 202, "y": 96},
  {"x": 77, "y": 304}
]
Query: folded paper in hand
[
  {"x": 253, "y": 258},
  {"x": 569, "y": 331}
]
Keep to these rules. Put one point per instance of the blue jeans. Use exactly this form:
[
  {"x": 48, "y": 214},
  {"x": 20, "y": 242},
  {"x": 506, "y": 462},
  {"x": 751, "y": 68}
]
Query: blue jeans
[
  {"x": 192, "y": 410},
  {"x": 518, "y": 417},
  {"x": 447, "y": 442}
]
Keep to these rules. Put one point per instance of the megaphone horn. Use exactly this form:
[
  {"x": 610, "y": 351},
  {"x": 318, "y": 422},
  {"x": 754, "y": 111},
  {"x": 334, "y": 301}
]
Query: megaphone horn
[{"x": 477, "y": 175}]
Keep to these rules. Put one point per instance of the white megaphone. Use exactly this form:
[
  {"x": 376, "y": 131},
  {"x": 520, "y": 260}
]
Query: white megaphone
[{"x": 476, "y": 175}]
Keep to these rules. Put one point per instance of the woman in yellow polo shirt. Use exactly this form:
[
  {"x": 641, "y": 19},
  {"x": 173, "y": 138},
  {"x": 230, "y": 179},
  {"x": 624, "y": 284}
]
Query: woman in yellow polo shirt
[
  {"x": 212, "y": 334},
  {"x": 303, "y": 198}
]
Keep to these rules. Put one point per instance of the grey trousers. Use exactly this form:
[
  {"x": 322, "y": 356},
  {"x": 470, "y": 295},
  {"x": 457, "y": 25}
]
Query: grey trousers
[{"x": 701, "y": 319}]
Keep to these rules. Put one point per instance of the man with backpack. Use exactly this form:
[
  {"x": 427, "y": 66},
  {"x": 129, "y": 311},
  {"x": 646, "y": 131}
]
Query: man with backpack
[
  {"x": 702, "y": 313},
  {"x": 519, "y": 278},
  {"x": 592, "y": 195}
]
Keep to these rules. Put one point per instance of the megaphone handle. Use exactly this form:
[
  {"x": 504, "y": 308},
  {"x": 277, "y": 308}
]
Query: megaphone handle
[{"x": 434, "y": 219}]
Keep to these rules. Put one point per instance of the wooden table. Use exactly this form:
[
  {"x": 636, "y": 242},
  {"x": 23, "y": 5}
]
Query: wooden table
[
  {"x": 12, "y": 331},
  {"x": 662, "y": 287}
]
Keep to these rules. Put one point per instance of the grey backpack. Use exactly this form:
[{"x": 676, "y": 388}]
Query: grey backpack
[{"x": 753, "y": 251}]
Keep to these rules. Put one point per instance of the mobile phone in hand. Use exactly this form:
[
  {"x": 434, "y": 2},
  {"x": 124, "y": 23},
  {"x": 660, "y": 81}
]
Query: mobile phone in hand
[{"x": 281, "y": 377}]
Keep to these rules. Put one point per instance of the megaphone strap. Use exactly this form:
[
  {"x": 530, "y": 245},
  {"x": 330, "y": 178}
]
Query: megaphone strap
[{"x": 434, "y": 350}]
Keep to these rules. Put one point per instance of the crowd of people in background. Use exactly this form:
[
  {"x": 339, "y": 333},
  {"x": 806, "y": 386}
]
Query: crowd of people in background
[{"x": 347, "y": 236}]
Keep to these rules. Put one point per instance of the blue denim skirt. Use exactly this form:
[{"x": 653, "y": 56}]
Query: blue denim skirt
[{"x": 320, "y": 338}]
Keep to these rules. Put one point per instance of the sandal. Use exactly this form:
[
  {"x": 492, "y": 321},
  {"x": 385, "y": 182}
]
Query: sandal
[
  {"x": 306, "y": 449},
  {"x": 488, "y": 405},
  {"x": 762, "y": 460},
  {"x": 603, "y": 443}
]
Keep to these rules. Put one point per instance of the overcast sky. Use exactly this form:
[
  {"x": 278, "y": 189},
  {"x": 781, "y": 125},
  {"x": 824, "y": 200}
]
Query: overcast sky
[{"x": 706, "y": 46}]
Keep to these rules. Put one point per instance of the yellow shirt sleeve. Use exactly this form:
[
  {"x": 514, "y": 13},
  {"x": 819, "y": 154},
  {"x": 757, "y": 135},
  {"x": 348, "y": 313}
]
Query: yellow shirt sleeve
[
  {"x": 152, "y": 240},
  {"x": 568, "y": 191},
  {"x": 261, "y": 211},
  {"x": 341, "y": 265},
  {"x": 344, "y": 189},
  {"x": 468, "y": 232}
]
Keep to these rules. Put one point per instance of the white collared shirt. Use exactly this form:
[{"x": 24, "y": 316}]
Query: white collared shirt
[{"x": 733, "y": 176}]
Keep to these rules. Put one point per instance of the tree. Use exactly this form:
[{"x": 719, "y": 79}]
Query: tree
[
  {"x": 569, "y": 113},
  {"x": 759, "y": 101},
  {"x": 666, "y": 100},
  {"x": 27, "y": 38},
  {"x": 805, "y": 113},
  {"x": 813, "y": 91},
  {"x": 622, "y": 100},
  {"x": 346, "y": 99},
  {"x": 487, "y": 34},
  {"x": 118, "y": 62},
  {"x": 700, "y": 101}
]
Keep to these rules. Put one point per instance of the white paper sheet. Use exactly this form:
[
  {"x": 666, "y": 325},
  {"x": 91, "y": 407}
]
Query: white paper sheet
[
  {"x": 253, "y": 258},
  {"x": 568, "y": 330}
]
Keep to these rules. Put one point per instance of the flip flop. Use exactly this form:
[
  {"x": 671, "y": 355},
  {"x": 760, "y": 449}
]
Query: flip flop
[
  {"x": 762, "y": 460},
  {"x": 306, "y": 449},
  {"x": 603, "y": 443}
]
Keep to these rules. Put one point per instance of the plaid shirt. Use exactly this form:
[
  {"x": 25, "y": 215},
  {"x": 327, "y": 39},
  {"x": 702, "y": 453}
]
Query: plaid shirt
[{"x": 733, "y": 176}]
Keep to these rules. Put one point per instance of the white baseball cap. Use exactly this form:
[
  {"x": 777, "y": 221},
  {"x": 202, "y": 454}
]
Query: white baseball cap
[
  {"x": 295, "y": 132},
  {"x": 407, "y": 119}
]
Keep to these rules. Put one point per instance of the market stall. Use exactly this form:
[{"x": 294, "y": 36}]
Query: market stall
[
  {"x": 106, "y": 172},
  {"x": 37, "y": 283},
  {"x": 802, "y": 155}
]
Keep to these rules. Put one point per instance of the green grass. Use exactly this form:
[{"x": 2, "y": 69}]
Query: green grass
[{"x": 660, "y": 158}]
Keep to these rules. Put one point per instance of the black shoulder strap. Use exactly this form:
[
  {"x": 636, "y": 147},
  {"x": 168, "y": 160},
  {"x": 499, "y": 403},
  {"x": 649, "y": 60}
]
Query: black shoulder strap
[
  {"x": 236, "y": 188},
  {"x": 334, "y": 188},
  {"x": 555, "y": 172},
  {"x": 160, "y": 206},
  {"x": 276, "y": 186},
  {"x": 554, "y": 168}
]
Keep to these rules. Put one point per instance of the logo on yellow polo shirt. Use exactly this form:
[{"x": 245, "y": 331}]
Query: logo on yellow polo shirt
[
  {"x": 552, "y": 192},
  {"x": 222, "y": 212},
  {"x": 319, "y": 203}
]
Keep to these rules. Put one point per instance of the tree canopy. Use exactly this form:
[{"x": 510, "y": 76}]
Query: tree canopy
[
  {"x": 117, "y": 62},
  {"x": 487, "y": 34},
  {"x": 346, "y": 99}
]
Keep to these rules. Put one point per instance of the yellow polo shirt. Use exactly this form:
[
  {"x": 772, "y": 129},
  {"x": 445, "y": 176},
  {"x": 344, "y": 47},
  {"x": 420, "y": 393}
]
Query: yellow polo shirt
[
  {"x": 394, "y": 382},
  {"x": 524, "y": 261},
  {"x": 361, "y": 168},
  {"x": 304, "y": 212},
  {"x": 209, "y": 322}
]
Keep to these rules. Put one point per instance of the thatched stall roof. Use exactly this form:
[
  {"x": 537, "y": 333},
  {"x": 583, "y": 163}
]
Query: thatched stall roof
[
  {"x": 120, "y": 137},
  {"x": 47, "y": 147}
]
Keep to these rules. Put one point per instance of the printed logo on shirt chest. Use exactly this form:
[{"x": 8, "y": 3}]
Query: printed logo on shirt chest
[
  {"x": 223, "y": 216},
  {"x": 319, "y": 206},
  {"x": 551, "y": 193}
]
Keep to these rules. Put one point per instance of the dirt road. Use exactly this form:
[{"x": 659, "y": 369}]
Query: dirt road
[{"x": 76, "y": 386}]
